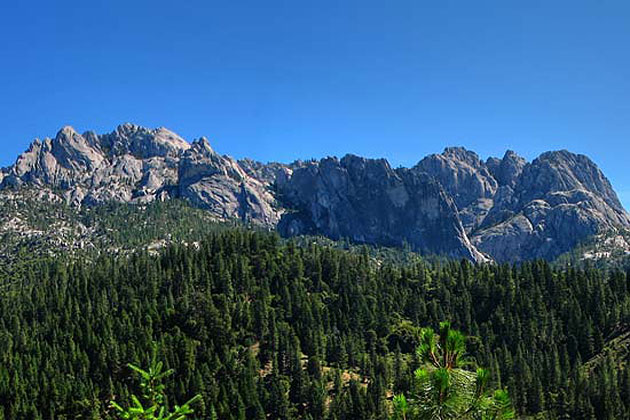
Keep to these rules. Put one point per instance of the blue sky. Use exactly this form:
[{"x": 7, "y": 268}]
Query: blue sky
[{"x": 280, "y": 80}]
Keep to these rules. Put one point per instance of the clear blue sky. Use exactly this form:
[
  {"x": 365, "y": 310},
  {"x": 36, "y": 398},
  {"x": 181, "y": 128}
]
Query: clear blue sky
[{"x": 297, "y": 79}]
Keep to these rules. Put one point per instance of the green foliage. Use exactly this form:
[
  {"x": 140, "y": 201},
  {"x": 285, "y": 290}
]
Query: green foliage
[
  {"x": 263, "y": 328},
  {"x": 401, "y": 407},
  {"x": 153, "y": 394},
  {"x": 48, "y": 227},
  {"x": 444, "y": 389}
]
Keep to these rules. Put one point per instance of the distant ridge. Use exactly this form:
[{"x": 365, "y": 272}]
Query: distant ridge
[{"x": 453, "y": 203}]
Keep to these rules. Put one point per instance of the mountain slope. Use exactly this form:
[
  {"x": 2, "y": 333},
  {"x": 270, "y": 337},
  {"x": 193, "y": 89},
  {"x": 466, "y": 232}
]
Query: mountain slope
[
  {"x": 367, "y": 201},
  {"x": 453, "y": 203}
]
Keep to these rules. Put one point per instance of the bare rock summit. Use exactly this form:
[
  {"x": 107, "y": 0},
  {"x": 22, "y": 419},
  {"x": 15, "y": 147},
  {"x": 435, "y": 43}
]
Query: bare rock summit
[{"x": 453, "y": 204}]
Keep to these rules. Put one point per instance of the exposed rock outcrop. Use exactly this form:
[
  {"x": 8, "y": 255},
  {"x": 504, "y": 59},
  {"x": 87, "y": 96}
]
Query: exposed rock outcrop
[
  {"x": 452, "y": 203},
  {"x": 142, "y": 143},
  {"x": 507, "y": 170},
  {"x": 558, "y": 200},
  {"x": 462, "y": 174},
  {"x": 365, "y": 200},
  {"x": 219, "y": 184}
]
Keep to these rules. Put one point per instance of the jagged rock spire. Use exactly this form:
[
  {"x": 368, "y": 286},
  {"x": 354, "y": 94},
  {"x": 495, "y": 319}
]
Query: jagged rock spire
[{"x": 451, "y": 203}]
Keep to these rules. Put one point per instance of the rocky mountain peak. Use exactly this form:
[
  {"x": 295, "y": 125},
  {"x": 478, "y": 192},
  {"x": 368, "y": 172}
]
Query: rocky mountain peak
[
  {"x": 202, "y": 145},
  {"x": 368, "y": 202},
  {"x": 451, "y": 203},
  {"x": 74, "y": 152},
  {"x": 66, "y": 131},
  {"x": 129, "y": 130},
  {"x": 169, "y": 140},
  {"x": 507, "y": 170},
  {"x": 512, "y": 155},
  {"x": 558, "y": 200},
  {"x": 462, "y": 174},
  {"x": 378, "y": 169},
  {"x": 462, "y": 154},
  {"x": 144, "y": 143},
  {"x": 565, "y": 171},
  {"x": 200, "y": 161}
]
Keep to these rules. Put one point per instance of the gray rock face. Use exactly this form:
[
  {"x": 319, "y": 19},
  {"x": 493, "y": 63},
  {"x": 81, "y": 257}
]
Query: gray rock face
[
  {"x": 63, "y": 161},
  {"x": 465, "y": 178},
  {"x": 269, "y": 173},
  {"x": 558, "y": 200},
  {"x": 507, "y": 170},
  {"x": 365, "y": 200},
  {"x": 219, "y": 184},
  {"x": 142, "y": 142},
  {"x": 138, "y": 165},
  {"x": 462, "y": 174},
  {"x": 452, "y": 203},
  {"x": 564, "y": 171}
]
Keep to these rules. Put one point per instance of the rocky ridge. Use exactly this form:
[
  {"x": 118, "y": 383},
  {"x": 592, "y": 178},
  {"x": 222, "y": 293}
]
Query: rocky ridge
[{"x": 453, "y": 203}]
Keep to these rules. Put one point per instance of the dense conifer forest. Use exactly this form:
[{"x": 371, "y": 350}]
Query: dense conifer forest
[{"x": 264, "y": 328}]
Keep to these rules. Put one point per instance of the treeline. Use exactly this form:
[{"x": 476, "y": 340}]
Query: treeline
[{"x": 263, "y": 328}]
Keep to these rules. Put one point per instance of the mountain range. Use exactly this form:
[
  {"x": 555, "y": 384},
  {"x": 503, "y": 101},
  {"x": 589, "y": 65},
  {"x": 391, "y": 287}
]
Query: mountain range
[{"x": 454, "y": 203}]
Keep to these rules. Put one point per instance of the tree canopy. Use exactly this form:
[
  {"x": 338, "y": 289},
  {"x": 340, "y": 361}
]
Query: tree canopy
[{"x": 265, "y": 328}]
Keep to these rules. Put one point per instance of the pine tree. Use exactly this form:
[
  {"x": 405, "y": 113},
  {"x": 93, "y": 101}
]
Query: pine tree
[
  {"x": 444, "y": 389},
  {"x": 153, "y": 396}
]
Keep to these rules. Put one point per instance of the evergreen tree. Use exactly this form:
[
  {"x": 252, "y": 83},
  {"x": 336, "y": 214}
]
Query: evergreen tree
[
  {"x": 444, "y": 389},
  {"x": 152, "y": 405}
]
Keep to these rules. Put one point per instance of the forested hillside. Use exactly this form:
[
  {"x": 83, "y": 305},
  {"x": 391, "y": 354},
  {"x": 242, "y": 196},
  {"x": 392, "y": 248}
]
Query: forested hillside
[
  {"x": 34, "y": 225},
  {"x": 264, "y": 328}
]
